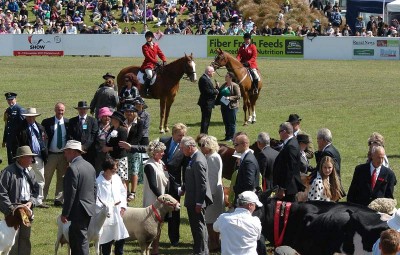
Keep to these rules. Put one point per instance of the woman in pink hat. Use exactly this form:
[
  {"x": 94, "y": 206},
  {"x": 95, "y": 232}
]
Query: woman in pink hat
[{"x": 104, "y": 126}]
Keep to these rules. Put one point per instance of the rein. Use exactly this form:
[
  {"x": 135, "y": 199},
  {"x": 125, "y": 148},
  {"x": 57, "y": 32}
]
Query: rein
[
  {"x": 173, "y": 205},
  {"x": 282, "y": 210}
]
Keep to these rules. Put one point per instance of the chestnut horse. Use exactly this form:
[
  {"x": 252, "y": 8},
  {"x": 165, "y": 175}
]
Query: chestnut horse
[
  {"x": 166, "y": 84},
  {"x": 244, "y": 80}
]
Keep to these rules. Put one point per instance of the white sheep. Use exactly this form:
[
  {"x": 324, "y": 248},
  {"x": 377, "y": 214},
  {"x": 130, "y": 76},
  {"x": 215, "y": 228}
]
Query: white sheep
[
  {"x": 10, "y": 225},
  {"x": 144, "y": 224},
  {"x": 94, "y": 229}
]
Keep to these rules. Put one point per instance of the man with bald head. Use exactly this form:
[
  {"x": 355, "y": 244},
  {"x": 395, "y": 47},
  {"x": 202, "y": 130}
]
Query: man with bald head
[
  {"x": 248, "y": 177},
  {"x": 372, "y": 180}
]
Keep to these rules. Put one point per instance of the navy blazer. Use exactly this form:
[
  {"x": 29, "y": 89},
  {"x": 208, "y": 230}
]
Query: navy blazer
[
  {"x": 360, "y": 191},
  {"x": 286, "y": 172},
  {"x": 23, "y": 137},
  {"x": 80, "y": 190},
  {"x": 248, "y": 177},
  {"x": 87, "y": 136},
  {"x": 174, "y": 165}
]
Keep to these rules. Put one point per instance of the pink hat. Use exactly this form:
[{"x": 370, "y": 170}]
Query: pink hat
[{"x": 105, "y": 111}]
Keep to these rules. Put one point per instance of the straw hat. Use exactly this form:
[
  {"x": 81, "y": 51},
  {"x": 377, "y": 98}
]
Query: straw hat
[
  {"x": 24, "y": 151},
  {"x": 30, "y": 112},
  {"x": 73, "y": 145}
]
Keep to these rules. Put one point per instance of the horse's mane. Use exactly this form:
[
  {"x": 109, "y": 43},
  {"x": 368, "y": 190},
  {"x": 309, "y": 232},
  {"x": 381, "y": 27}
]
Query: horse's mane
[{"x": 173, "y": 63}]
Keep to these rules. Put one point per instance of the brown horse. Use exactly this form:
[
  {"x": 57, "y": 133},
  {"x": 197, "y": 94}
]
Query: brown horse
[
  {"x": 166, "y": 84},
  {"x": 244, "y": 80}
]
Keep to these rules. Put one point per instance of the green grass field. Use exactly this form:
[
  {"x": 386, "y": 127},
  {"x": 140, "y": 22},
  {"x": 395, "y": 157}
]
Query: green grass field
[{"x": 351, "y": 98}]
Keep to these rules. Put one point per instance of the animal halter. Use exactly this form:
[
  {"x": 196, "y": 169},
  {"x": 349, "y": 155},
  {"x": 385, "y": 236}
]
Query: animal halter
[
  {"x": 156, "y": 214},
  {"x": 168, "y": 203},
  {"x": 285, "y": 206}
]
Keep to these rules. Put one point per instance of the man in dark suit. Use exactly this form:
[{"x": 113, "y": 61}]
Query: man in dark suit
[
  {"x": 56, "y": 129},
  {"x": 173, "y": 159},
  {"x": 33, "y": 134},
  {"x": 80, "y": 192},
  {"x": 295, "y": 121},
  {"x": 248, "y": 177},
  {"x": 266, "y": 159},
  {"x": 372, "y": 180},
  {"x": 13, "y": 118},
  {"x": 207, "y": 98},
  {"x": 83, "y": 128},
  {"x": 286, "y": 173},
  {"x": 326, "y": 148},
  {"x": 198, "y": 194}
]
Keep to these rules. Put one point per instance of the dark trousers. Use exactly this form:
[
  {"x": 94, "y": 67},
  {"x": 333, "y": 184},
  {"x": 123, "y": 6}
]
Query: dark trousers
[
  {"x": 78, "y": 240},
  {"x": 174, "y": 221},
  {"x": 118, "y": 250},
  {"x": 199, "y": 231},
  {"x": 261, "y": 248},
  {"x": 205, "y": 119},
  {"x": 22, "y": 245},
  {"x": 10, "y": 155},
  {"x": 229, "y": 118}
]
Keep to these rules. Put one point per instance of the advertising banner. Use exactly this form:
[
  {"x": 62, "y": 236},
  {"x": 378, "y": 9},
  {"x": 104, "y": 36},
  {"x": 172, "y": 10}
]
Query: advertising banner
[
  {"x": 38, "y": 45},
  {"x": 267, "y": 46},
  {"x": 375, "y": 48}
]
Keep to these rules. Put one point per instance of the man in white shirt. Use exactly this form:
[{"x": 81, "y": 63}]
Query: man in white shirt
[
  {"x": 240, "y": 230},
  {"x": 71, "y": 30}
]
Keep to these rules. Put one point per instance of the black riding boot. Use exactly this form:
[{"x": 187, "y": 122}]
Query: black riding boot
[
  {"x": 255, "y": 86},
  {"x": 147, "y": 82}
]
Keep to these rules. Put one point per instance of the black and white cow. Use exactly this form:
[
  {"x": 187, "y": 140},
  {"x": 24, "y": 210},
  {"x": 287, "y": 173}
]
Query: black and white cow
[{"x": 324, "y": 228}]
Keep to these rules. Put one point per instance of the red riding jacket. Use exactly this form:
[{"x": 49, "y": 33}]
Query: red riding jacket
[
  {"x": 150, "y": 56},
  {"x": 248, "y": 54}
]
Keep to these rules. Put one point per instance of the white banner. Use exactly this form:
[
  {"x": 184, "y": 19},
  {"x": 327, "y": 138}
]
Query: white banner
[{"x": 35, "y": 45}]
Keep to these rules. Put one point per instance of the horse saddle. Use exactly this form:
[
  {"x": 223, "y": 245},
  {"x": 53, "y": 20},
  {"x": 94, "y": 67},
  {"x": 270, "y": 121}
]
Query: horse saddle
[{"x": 141, "y": 75}]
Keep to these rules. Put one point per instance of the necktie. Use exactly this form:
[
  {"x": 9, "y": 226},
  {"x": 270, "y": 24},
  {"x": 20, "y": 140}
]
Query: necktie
[
  {"x": 59, "y": 136},
  {"x": 171, "y": 150},
  {"x": 373, "y": 179},
  {"x": 82, "y": 120}
]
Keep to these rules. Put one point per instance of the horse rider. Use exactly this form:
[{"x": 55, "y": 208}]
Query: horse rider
[
  {"x": 150, "y": 51},
  {"x": 247, "y": 55}
]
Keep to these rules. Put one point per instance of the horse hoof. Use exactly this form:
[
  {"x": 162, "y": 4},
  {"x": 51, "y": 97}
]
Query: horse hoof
[
  {"x": 162, "y": 131},
  {"x": 253, "y": 122},
  {"x": 167, "y": 129},
  {"x": 245, "y": 124}
]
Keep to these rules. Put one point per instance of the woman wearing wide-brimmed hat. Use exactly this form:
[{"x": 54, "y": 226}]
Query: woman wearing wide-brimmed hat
[
  {"x": 116, "y": 134},
  {"x": 135, "y": 132}
]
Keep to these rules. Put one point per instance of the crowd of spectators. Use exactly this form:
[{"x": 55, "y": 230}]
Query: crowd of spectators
[{"x": 198, "y": 17}]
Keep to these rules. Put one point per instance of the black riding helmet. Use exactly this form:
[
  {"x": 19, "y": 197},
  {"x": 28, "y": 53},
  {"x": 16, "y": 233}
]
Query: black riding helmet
[
  {"x": 149, "y": 34},
  {"x": 247, "y": 36}
]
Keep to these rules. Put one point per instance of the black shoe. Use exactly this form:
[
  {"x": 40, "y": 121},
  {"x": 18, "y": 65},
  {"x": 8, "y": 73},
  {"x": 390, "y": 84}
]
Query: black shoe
[{"x": 58, "y": 203}]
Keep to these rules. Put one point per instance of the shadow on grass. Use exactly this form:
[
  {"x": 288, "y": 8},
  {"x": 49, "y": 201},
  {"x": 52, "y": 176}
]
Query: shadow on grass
[
  {"x": 393, "y": 156},
  {"x": 212, "y": 123}
]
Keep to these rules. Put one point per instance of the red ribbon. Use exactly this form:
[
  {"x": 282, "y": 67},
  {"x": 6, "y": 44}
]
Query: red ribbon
[{"x": 278, "y": 238}]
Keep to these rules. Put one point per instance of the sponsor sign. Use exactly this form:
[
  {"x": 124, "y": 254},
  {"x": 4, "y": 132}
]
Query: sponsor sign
[
  {"x": 375, "y": 48},
  {"x": 38, "y": 45},
  {"x": 267, "y": 46},
  {"x": 364, "y": 52}
]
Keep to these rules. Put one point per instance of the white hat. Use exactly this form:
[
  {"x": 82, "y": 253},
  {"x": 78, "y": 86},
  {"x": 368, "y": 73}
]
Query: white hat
[
  {"x": 251, "y": 197},
  {"x": 30, "y": 112},
  {"x": 73, "y": 145},
  {"x": 394, "y": 222},
  {"x": 24, "y": 151}
]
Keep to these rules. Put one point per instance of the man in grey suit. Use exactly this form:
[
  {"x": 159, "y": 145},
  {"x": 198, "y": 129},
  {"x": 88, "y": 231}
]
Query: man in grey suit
[
  {"x": 79, "y": 197},
  {"x": 266, "y": 159},
  {"x": 198, "y": 193}
]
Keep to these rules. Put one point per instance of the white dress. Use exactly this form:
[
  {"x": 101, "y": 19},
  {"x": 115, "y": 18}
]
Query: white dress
[
  {"x": 112, "y": 192},
  {"x": 214, "y": 163}
]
